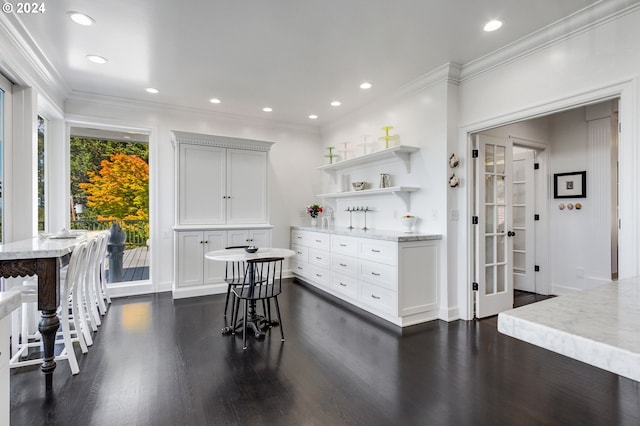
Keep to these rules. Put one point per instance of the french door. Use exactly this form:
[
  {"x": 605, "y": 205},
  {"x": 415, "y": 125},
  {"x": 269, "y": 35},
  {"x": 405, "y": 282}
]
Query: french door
[
  {"x": 523, "y": 221},
  {"x": 494, "y": 233}
]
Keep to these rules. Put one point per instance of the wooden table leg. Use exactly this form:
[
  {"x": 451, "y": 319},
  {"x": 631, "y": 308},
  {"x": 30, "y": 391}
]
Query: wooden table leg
[{"x": 48, "y": 272}]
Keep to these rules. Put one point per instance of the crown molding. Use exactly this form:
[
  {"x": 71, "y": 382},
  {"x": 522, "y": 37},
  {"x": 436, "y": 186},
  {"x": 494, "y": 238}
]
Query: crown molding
[
  {"x": 24, "y": 63},
  {"x": 179, "y": 137},
  {"x": 566, "y": 28}
]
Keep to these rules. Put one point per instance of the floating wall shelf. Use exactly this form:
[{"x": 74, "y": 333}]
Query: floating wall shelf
[
  {"x": 402, "y": 192},
  {"x": 401, "y": 152}
]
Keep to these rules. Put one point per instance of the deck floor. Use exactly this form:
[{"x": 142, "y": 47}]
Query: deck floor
[{"x": 135, "y": 264}]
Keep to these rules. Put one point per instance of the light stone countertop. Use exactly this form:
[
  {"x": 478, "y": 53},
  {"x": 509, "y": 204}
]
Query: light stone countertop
[
  {"x": 375, "y": 234},
  {"x": 9, "y": 301},
  {"x": 42, "y": 247},
  {"x": 598, "y": 326}
]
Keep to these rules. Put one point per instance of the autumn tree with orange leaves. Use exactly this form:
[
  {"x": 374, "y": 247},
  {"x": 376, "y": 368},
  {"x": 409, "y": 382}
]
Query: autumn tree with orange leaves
[{"x": 120, "y": 189}]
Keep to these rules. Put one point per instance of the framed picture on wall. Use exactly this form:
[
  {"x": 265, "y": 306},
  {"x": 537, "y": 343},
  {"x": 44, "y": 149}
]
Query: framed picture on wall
[{"x": 570, "y": 185}]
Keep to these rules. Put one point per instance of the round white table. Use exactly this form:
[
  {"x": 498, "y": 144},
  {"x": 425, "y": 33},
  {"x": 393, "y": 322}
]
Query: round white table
[
  {"x": 234, "y": 255},
  {"x": 256, "y": 322}
]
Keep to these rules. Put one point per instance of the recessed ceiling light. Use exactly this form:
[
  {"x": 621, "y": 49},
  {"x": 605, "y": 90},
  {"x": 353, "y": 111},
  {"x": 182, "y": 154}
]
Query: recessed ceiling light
[
  {"x": 336, "y": 103},
  {"x": 97, "y": 59},
  {"x": 81, "y": 18},
  {"x": 313, "y": 116},
  {"x": 492, "y": 25},
  {"x": 365, "y": 86},
  {"x": 215, "y": 100},
  {"x": 267, "y": 109},
  {"x": 152, "y": 90}
]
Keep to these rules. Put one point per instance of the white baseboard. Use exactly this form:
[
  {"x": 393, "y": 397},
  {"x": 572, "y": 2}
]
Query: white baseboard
[
  {"x": 201, "y": 290},
  {"x": 449, "y": 314},
  {"x": 133, "y": 288}
]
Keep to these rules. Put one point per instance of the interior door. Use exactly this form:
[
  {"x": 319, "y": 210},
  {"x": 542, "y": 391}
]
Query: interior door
[
  {"x": 494, "y": 233},
  {"x": 523, "y": 221}
]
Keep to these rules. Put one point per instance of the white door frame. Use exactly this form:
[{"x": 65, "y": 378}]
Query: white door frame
[{"x": 628, "y": 152}]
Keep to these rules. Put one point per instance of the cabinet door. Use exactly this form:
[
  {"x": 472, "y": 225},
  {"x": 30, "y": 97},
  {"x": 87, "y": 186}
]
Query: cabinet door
[
  {"x": 190, "y": 258},
  {"x": 260, "y": 237},
  {"x": 214, "y": 269},
  {"x": 238, "y": 237},
  {"x": 201, "y": 185},
  {"x": 246, "y": 186}
]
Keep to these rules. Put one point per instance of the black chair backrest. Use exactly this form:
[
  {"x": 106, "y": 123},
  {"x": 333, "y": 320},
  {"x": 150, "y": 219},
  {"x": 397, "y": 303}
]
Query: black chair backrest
[
  {"x": 267, "y": 276},
  {"x": 235, "y": 271}
]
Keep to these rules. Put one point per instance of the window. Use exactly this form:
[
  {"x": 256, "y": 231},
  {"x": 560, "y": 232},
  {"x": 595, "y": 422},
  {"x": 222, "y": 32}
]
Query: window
[
  {"x": 42, "y": 193},
  {"x": 5, "y": 107}
]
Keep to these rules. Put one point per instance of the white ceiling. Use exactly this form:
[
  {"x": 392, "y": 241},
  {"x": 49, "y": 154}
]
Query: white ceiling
[{"x": 293, "y": 55}]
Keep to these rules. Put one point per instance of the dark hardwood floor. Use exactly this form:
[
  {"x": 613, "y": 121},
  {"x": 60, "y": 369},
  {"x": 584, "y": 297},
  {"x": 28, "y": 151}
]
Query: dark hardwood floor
[{"x": 156, "y": 361}]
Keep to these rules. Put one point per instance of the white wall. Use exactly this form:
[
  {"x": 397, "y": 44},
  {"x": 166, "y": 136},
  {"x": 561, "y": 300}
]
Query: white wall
[
  {"x": 420, "y": 118},
  {"x": 291, "y": 179},
  {"x": 585, "y": 67}
]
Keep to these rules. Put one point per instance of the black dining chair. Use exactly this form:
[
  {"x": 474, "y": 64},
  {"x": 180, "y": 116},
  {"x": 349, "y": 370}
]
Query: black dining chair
[
  {"x": 263, "y": 282},
  {"x": 233, "y": 275}
]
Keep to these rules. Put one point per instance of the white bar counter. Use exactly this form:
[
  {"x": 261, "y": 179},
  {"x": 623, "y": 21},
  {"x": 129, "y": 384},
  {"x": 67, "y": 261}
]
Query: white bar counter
[{"x": 599, "y": 326}]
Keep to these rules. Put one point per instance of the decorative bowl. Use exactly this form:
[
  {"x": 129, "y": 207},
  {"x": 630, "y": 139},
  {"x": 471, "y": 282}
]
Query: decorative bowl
[
  {"x": 359, "y": 186},
  {"x": 251, "y": 249},
  {"x": 408, "y": 221}
]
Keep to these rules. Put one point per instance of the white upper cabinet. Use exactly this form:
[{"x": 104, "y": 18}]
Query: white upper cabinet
[{"x": 221, "y": 180}]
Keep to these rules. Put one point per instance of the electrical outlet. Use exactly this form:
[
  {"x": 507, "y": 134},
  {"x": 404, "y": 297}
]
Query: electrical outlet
[
  {"x": 580, "y": 272},
  {"x": 454, "y": 215}
]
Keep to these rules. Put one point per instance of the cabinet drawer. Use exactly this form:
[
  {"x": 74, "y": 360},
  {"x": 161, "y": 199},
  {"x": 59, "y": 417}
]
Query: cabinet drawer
[
  {"x": 320, "y": 275},
  {"x": 302, "y": 253},
  {"x": 378, "y": 274},
  {"x": 379, "y": 251},
  {"x": 344, "y": 245},
  {"x": 300, "y": 268},
  {"x": 378, "y": 297},
  {"x": 320, "y": 258},
  {"x": 345, "y": 284},
  {"x": 318, "y": 240},
  {"x": 299, "y": 237},
  {"x": 344, "y": 264}
]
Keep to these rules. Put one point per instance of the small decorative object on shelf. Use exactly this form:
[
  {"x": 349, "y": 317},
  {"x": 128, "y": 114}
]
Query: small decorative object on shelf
[
  {"x": 359, "y": 186},
  {"x": 408, "y": 221},
  {"x": 578, "y": 206},
  {"x": 385, "y": 180},
  {"x": 570, "y": 206},
  {"x": 365, "y": 142},
  {"x": 251, "y": 249},
  {"x": 387, "y": 137},
  {"x": 331, "y": 155},
  {"x": 344, "y": 151},
  {"x": 313, "y": 211},
  {"x": 454, "y": 181},
  {"x": 561, "y": 206},
  {"x": 454, "y": 161}
]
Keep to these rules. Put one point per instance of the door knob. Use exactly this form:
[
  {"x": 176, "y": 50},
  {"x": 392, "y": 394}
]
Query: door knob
[{"x": 511, "y": 234}]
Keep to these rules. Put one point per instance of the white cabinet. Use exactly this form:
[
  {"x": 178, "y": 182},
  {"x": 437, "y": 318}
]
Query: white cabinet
[
  {"x": 221, "y": 180},
  {"x": 197, "y": 276},
  {"x": 249, "y": 237},
  {"x": 396, "y": 280},
  {"x": 221, "y": 201},
  {"x": 221, "y": 186},
  {"x": 192, "y": 267}
]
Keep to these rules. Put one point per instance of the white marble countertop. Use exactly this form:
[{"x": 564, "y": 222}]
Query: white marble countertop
[
  {"x": 41, "y": 247},
  {"x": 9, "y": 301},
  {"x": 375, "y": 234},
  {"x": 598, "y": 326}
]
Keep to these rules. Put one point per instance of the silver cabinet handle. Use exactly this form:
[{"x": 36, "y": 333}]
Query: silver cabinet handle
[
  {"x": 318, "y": 275},
  {"x": 343, "y": 284},
  {"x": 375, "y": 274},
  {"x": 375, "y": 297},
  {"x": 299, "y": 252},
  {"x": 319, "y": 258},
  {"x": 299, "y": 267},
  {"x": 375, "y": 251},
  {"x": 342, "y": 245},
  {"x": 318, "y": 241},
  {"x": 343, "y": 265}
]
